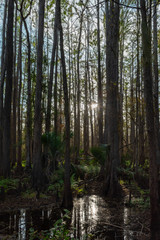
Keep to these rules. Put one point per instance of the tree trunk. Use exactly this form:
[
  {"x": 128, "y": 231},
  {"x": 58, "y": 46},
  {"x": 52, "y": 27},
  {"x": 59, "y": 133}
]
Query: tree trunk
[
  {"x": 67, "y": 199},
  {"x": 78, "y": 92},
  {"x": 148, "y": 90},
  {"x": 132, "y": 112},
  {"x": 19, "y": 76},
  {"x": 14, "y": 94},
  {"x": 100, "y": 97},
  {"x": 8, "y": 92},
  {"x": 121, "y": 134},
  {"x": 29, "y": 112},
  {"x": 37, "y": 148},
  {"x": 50, "y": 84},
  {"x": 86, "y": 123},
  {"x": 90, "y": 108},
  {"x": 156, "y": 87},
  {"x": 3, "y": 68},
  {"x": 55, "y": 97},
  {"x": 112, "y": 25}
]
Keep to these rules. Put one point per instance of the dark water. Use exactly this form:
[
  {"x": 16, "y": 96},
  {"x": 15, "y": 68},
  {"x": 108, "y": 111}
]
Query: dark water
[
  {"x": 17, "y": 224},
  {"x": 91, "y": 215}
]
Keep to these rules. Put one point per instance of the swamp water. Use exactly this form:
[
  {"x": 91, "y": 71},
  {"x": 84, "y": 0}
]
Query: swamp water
[{"x": 91, "y": 216}]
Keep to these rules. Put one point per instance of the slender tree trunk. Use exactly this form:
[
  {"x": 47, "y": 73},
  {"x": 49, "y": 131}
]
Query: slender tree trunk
[
  {"x": 37, "y": 148},
  {"x": 50, "y": 84},
  {"x": 138, "y": 129},
  {"x": 55, "y": 97},
  {"x": 100, "y": 97},
  {"x": 126, "y": 109},
  {"x": 75, "y": 110},
  {"x": 67, "y": 199},
  {"x": 29, "y": 110},
  {"x": 69, "y": 64},
  {"x": 90, "y": 109},
  {"x": 8, "y": 92},
  {"x": 19, "y": 76},
  {"x": 132, "y": 113},
  {"x": 3, "y": 68},
  {"x": 121, "y": 135},
  {"x": 14, "y": 102},
  {"x": 60, "y": 102},
  {"x": 78, "y": 91},
  {"x": 86, "y": 123}
]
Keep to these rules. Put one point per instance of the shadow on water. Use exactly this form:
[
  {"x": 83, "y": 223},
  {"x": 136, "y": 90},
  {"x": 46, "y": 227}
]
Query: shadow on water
[{"x": 91, "y": 216}]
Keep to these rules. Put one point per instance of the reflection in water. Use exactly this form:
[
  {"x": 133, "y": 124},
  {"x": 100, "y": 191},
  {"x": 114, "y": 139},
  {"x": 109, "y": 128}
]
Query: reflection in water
[
  {"x": 88, "y": 212},
  {"x": 18, "y": 223},
  {"x": 127, "y": 233},
  {"x": 22, "y": 225},
  {"x": 90, "y": 215}
]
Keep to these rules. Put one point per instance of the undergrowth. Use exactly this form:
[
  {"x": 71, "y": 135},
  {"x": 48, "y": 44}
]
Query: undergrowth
[
  {"x": 9, "y": 183},
  {"x": 59, "y": 231}
]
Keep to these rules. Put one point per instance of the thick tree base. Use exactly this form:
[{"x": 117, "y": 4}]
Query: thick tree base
[
  {"x": 67, "y": 202},
  {"x": 111, "y": 188},
  {"x": 155, "y": 221}
]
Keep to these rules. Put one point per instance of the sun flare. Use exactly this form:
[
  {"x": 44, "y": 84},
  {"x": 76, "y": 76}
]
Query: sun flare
[{"x": 94, "y": 105}]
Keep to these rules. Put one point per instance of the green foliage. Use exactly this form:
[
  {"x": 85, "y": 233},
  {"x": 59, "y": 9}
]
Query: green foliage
[
  {"x": 90, "y": 171},
  {"x": 126, "y": 161},
  {"x": 57, "y": 181},
  {"x": 58, "y": 175},
  {"x": 145, "y": 166},
  {"x": 84, "y": 171},
  {"x": 141, "y": 192},
  {"x": 29, "y": 195},
  {"x": 78, "y": 190},
  {"x": 58, "y": 232},
  {"x": 53, "y": 142},
  {"x": 141, "y": 203},
  {"x": 9, "y": 183},
  {"x": 100, "y": 153},
  {"x": 127, "y": 173}
]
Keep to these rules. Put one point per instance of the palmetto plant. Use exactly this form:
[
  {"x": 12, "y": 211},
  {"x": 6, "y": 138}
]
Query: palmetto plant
[{"x": 53, "y": 142}]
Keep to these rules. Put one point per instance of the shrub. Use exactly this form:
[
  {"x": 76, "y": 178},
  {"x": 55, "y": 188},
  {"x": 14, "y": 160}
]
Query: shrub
[
  {"x": 9, "y": 183},
  {"x": 59, "y": 230},
  {"x": 100, "y": 153}
]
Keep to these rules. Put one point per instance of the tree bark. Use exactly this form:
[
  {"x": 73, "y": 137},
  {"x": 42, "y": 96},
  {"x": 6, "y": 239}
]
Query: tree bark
[
  {"x": 156, "y": 78},
  {"x": 3, "y": 69},
  {"x": 78, "y": 92},
  {"x": 55, "y": 97},
  {"x": 29, "y": 110},
  {"x": 50, "y": 84},
  {"x": 148, "y": 90},
  {"x": 132, "y": 111},
  {"x": 37, "y": 148},
  {"x": 19, "y": 77},
  {"x": 14, "y": 95},
  {"x": 112, "y": 25},
  {"x": 67, "y": 198},
  {"x": 8, "y": 92},
  {"x": 100, "y": 96},
  {"x": 86, "y": 122}
]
